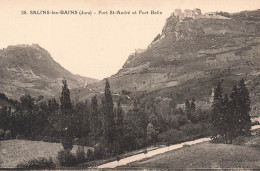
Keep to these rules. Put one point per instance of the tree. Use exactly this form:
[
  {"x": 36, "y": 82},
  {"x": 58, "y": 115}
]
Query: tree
[
  {"x": 154, "y": 120},
  {"x": 66, "y": 105},
  {"x": 109, "y": 115},
  {"x": 135, "y": 106},
  {"x": 67, "y": 139},
  {"x": 119, "y": 127},
  {"x": 173, "y": 121},
  {"x": 80, "y": 155},
  {"x": 226, "y": 129},
  {"x": 82, "y": 119},
  {"x": 193, "y": 106},
  {"x": 244, "y": 108},
  {"x": 4, "y": 118},
  {"x": 53, "y": 127},
  {"x": 193, "y": 116},
  {"x": 26, "y": 112},
  {"x": 67, "y": 117},
  {"x": 188, "y": 109},
  {"x": 27, "y": 102},
  {"x": 119, "y": 115},
  {"x": 151, "y": 133},
  {"x": 230, "y": 117},
  {"x": 217, "y": 117},
  {"x": 233, "y": 113},
  {"x": 135, "y": 125},
  {"x": 93, "y": 115},
  {"x": 52, "y": 105}
]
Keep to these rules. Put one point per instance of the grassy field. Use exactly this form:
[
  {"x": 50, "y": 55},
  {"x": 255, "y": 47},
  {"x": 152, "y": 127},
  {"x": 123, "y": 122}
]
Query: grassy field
[
  {"x": 13, "y": 152},
  {"x": 206, "y": 155}
]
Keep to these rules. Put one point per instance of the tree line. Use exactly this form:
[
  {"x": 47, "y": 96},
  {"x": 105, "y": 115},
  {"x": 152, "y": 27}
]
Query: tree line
[
  {"x": 102, "y": 123},
  {"x": 230, "y": 112}
]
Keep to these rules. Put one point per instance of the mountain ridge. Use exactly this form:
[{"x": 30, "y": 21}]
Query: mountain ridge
[
  {"x": 190, "y": 56},
  {"x": 185, "y": 60},
  {"x": 30, "y": 69}
]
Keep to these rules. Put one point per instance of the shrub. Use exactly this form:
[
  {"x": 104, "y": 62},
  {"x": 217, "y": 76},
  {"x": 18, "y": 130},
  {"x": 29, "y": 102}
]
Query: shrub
[
  {"x": 84, "y": 141},
  {"x": 46, "y": 139},
  {"x": 8, "y": 135},
  {"x": 182, "y": 119},
  {"x": 173, "y": 121},
  {"x": 40, "y": 163},
  {"x": 216, "y": 140},
  {"x": 67, "y": 139},
  {"x": 2, "y": 134},
  {"x": 19, "y": 137},
  {"x": 99, "y": 151},
  {"x": 38, "y": 138},
  {"x": 80, "y": 155},
  {"x": 125, "y": 92},
  {"x": 192, "y": 131},
  {"x": 186, "y": 145},
  {"x": 254, "y": 145},
  {"x": 240, "y": 140},
  {"x": 67, "y": 143},
  {"x": 225, "y": 14},
  {"x": 50, "y": 139},
  {"x": 66, "y": 158},
  {"x": 90, "y": 155},
  {"x": 171, "y": 136},
  {"x": 77, "y": 141}
]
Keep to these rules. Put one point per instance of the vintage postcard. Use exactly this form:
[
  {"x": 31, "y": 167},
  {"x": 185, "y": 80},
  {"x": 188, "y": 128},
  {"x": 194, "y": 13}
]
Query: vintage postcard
[{"x": 129, "y": 84}]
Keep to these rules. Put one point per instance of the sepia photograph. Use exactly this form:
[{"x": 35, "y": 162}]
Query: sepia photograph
[{"x": 130, "y": 85}]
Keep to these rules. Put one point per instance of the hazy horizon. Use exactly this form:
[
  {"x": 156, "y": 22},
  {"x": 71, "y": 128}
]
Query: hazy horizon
[{"x": 96, "y": 46}]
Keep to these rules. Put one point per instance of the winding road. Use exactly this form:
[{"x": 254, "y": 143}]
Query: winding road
[{"x": 151, "y": 153}]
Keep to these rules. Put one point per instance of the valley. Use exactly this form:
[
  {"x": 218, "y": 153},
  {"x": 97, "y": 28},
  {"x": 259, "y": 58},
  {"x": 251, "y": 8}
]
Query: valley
[{"x": 196, "y": 82}]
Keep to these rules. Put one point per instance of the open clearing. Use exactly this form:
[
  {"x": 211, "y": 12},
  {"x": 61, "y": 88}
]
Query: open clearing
[
  {"x": 13, "y": 152},
  {"x": 206, "y": 155}
]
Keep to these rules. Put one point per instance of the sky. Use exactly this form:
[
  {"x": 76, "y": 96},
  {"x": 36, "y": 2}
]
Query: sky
[{"x": 96, "y": 45}]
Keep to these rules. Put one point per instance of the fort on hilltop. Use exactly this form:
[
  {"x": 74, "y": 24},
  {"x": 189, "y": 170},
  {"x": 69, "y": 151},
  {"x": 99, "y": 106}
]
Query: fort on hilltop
[{"x": 195, "y": 14}]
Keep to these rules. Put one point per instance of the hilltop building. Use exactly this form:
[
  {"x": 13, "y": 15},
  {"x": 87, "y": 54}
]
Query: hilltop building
[
  {"x": 210, "y": 14},
  {"x": 178, "y": 13},
  {"x": 195, "y": 14},
  {"x": 188, "y": 13}
]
